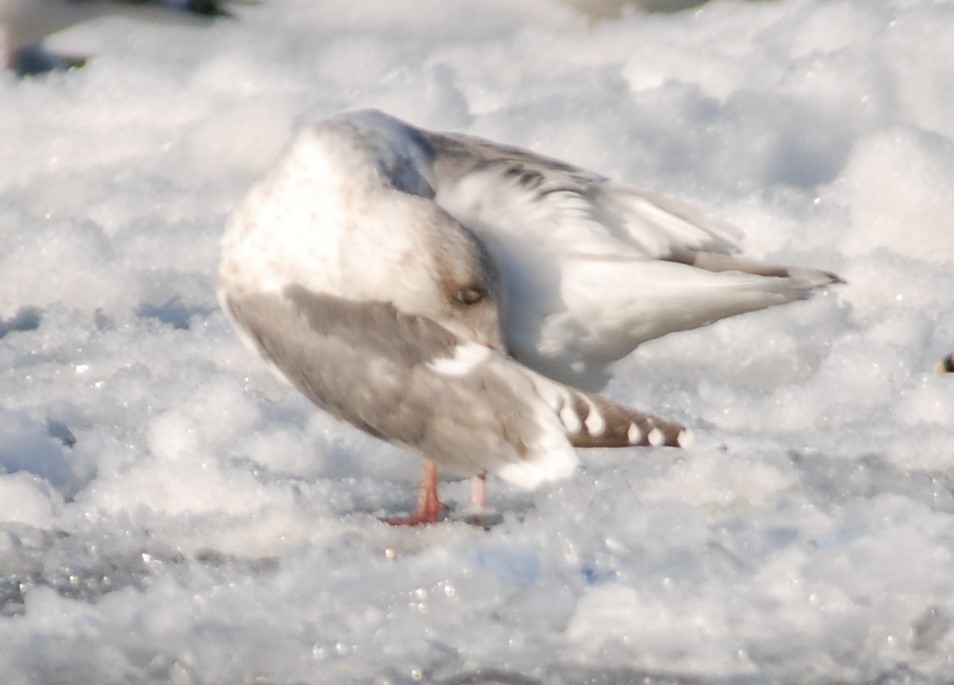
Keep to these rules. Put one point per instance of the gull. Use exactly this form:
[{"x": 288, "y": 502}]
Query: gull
[
  {"x": 464, "y": 299},
  {"x": 25, "y": 23}
]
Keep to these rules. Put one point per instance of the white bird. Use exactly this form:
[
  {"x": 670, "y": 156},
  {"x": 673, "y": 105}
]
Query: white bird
[
  {"x": 442, "y": 292},
  {"x": 25, "y": 23}
]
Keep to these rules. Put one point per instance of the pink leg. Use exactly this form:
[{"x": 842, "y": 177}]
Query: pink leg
[
  {"x": 478, "y": 491},
  {"x": 429, "y": 505},
  {"x": 478, "y": 513}
]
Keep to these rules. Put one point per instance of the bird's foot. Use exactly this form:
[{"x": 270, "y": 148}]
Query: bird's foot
[
  {"x": 485, "y": 518},
  {"x": 429, "y": 509},
  {"x": 432, "y": 511}
]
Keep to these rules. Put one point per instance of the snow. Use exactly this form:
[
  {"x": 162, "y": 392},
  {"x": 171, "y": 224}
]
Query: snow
[{"x": 169, "y": 512}]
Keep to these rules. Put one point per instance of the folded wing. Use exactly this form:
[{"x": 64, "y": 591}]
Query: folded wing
[
  {"x": 595, "y": 267},
  {"x": 408, "y": 380}
]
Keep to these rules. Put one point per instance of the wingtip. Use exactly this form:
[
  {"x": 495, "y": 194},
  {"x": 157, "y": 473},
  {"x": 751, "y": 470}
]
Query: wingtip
[
  {"x": 815, "y": 278},
  {"x": 834, "y": 279},
  {"x": 593, "y": 421}
]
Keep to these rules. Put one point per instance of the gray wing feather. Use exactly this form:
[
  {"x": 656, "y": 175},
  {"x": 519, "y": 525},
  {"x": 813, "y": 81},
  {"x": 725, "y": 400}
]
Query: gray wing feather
[
  {"x": 379, "y": 369},
  {"x": 655, "y": 225},
  {"x": 367, "y": 363},
  {"x": 659, "y": 226},
  {"x": 373, "y": 366}
]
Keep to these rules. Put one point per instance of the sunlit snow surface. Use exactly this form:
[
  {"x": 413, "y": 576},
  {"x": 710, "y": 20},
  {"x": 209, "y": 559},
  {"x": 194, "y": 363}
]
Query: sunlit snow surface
[{"x": 171, "y": 513}]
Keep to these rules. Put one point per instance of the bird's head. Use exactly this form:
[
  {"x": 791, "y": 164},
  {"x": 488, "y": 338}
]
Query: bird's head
[{"x": 471, "y": 290}]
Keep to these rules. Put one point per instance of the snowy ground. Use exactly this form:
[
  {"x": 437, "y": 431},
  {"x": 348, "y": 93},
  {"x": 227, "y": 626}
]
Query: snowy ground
[{"x": 171, "y": 513}]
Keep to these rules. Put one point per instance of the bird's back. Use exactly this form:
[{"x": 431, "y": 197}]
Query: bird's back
[{"x": 593, "y": 267}]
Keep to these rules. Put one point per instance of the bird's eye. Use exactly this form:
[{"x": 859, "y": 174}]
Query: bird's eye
[{"x": 471, "y": 295}]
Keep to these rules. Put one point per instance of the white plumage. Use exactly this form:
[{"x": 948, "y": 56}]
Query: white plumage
[{"x": 452, "y": 295}]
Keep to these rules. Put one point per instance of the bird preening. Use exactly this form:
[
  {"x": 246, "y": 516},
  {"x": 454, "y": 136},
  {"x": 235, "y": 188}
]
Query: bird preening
[{"x": 465, "y": 299}]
